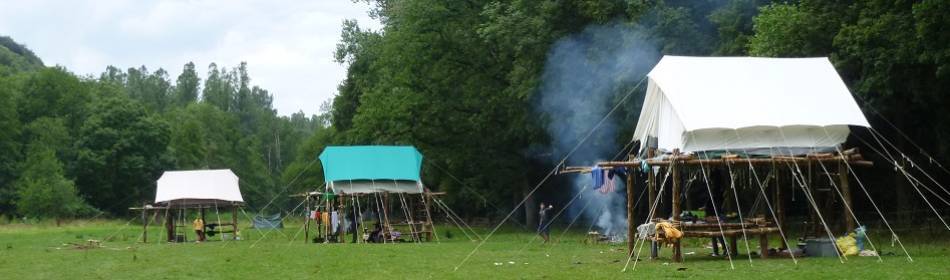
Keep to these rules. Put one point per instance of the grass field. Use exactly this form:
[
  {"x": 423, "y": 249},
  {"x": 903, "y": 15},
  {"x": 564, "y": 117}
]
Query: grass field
[{"x": 38, "y": 252}]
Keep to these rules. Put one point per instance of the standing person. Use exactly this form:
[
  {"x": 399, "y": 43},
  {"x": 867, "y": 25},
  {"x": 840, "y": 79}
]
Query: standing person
[
  {"x": 354, "y": 223},
  {"x": 199, "y": 226},
  {"x": 544, "y": 222}
]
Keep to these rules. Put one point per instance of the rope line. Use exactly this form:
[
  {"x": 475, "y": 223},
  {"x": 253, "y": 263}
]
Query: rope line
[
  {"x": 553, "y": 170},
  {"x": 650, "y": 215}
]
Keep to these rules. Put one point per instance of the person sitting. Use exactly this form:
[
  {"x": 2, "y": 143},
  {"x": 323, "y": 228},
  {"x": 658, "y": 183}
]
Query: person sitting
[{"x": 376, "y": 236}]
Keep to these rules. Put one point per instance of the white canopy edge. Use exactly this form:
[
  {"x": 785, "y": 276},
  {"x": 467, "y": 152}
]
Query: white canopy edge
[
  {"x": 215, "y": 185},
  {"x": 737, "y": 103},
  {"x": 376, "y": 186}
]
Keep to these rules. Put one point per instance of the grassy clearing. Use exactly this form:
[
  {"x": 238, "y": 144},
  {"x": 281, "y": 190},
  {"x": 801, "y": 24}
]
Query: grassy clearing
[{"x": 37, "y": 251}]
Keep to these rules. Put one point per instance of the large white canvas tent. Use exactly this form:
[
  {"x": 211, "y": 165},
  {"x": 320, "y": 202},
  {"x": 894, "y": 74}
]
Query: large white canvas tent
[
  {"x": 747, "y": 104},
  {"x": 198, "y": 187},
  {"x": 200, "y": 190}
]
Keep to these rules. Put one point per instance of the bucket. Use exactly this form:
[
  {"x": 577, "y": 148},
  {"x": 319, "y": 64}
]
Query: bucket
[{"x": 820, "y": 247}]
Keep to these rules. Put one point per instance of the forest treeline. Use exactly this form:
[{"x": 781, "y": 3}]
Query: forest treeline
[
  {"x": 89, "y": 145},
  {"x": 460, "y": 80}
]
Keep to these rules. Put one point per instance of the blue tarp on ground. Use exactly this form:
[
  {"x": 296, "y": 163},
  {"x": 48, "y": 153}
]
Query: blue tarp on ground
[
  {"x": 344, "y": 163},
  {"x": 268, "y": 222}
]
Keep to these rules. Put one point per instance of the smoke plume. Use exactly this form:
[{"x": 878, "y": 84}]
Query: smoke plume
[{"x": 585, "y": 76}]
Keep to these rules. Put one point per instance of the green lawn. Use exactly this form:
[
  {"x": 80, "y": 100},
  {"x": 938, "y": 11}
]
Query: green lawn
[{"x": 37, "y": 252}]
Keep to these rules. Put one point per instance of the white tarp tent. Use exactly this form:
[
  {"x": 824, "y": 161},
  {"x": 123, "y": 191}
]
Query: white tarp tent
[
  {"x": 198, "y": 185},
  {"x": 745, "y": 103}
]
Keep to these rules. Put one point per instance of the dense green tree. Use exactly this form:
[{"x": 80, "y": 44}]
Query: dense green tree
[
  {"x": 54, "y": 92},
  {"x": 9, "y": 145},
  {"x": 43, "y": 191},
  {"x": 186, "y": 86},
  {"x": 734, "y": 25},
  {"x": 788, "y": 30},
  {"x": 120, "y": 153},
  {"x": 218, "y": 89},
  {"x": 15, "y": 58}
]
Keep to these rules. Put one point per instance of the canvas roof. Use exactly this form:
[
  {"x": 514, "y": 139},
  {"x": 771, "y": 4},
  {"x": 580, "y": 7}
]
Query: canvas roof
[
  {"x": 723, "y": 103},
  {"x": 344, "y": 163},
  {"x": 198, "y": 185}
]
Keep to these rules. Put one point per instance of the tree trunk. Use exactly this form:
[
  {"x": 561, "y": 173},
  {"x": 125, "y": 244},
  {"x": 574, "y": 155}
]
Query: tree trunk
[{"x": 530, "y": 207}]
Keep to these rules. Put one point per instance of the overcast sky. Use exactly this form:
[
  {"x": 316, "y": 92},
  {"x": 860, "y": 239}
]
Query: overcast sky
[{"x": 288, "y": 45}]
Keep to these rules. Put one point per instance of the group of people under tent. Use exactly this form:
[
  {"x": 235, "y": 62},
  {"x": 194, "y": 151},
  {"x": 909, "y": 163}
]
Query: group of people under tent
[
  {"x": 329, "y": 222},
  {"x": 707, "y": 214}
]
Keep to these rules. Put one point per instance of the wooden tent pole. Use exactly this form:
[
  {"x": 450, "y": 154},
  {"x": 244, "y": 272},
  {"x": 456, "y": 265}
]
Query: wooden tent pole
[
  {"x": 778, "y": 200},
  {"x": 234, "y": 224},
  {"x": 169, "y": 223},
  {"x": 144, "y": 224},
  {"x": 427, "y": 199},
  {"x": 355, "y": 217},
  {"x": 846, "y": 193},
  {"x": 651, "y": 187},
  {"x": 201, "y": 214},
  {"x": 385, "y": 206},
  {"x": 675, "y": 168},
  {"x": 306, "y": 225},
  {"x": 340, "y": 214},
  {"x": 631, "y": 225}
]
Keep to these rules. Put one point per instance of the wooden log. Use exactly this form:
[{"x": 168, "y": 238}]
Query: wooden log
[
  {"x": 764, "y": 245},
  {"x": 729, "y": 233},
  {"x": 144, "y": 225},
  {"x": 169, "y": 226},
  {"x": 306, "y": 225},
  {"x": 384, "y": 199},
  {"x": 631, "y": 225},
  {"x": 431, "y": 232},
  {"x": 846, "y": 193},
  {"x": 651, "y": 188},
  {"x": 712, "y": 226},
  {"x": 234, "y": 224},
  {"x": 675, "y": 169},
  {"x": 777, "y": 201},
  {"x": 854, "y": 160}
]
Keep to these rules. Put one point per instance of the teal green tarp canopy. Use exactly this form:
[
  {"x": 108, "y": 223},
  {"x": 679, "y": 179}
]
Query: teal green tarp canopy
[{"x": 346, "y": 163}]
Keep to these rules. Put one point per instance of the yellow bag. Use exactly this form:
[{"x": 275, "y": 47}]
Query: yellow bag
[
  {"x": 847, "y": 245},
  {"x": 670, "y": 233}
]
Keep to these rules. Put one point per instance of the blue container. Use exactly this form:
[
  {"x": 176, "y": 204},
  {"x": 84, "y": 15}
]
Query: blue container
[{"x": 820, "y": 247}]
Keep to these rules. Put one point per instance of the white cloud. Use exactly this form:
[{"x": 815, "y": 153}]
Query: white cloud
[{"x": 288, "y": 45}]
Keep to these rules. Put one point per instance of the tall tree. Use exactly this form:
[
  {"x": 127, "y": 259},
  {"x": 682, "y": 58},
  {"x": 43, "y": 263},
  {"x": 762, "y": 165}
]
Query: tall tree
[
  {"x": 121, "y": 152},
  {"x": 186, "y": 86},
  {"x": 43, "y": 190},
  {"x": 218, "y": 88}
]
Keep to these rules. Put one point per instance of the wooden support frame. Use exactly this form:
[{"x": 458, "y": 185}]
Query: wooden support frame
[
  {"x": 677, "y": 161},
  {"x": 855, "y": 160},
  {"x": 171, "y": 220}
]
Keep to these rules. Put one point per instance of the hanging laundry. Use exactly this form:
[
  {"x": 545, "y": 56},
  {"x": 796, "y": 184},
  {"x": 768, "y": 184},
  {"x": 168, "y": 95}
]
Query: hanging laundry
[
  {"x": 608, "y": 182},
  {"x": 617, "y": 171},
  {"x": 335, "y": 220},
  {"x": 604, "y": 178},
  {"x": 597, "y": 174}
]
